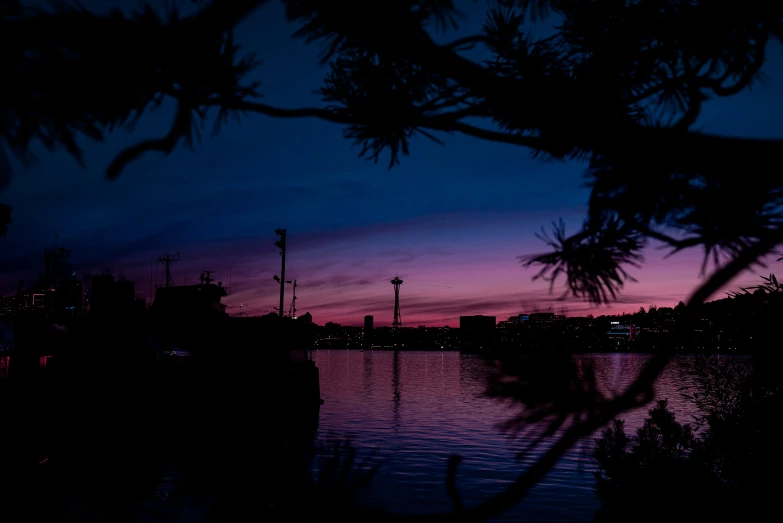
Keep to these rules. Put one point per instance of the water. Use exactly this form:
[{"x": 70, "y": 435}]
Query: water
[{"x": 432, "y": 405}]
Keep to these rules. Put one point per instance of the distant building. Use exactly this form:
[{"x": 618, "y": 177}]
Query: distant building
[
  {"x": 125, "y": 291},
  {"x": 101, "y": 294},
  {"x": 617, "y": 331},
  {"x": 542, "y": 321},
  {"x": 542, "y": 318},
  {"x": 68, "y": 297},
  {"x": 64, "y": 293},
  {"x": 37, "y": 301},
  {"x": 511, "y": 323},
  {"x": 56, "y": 266},
  {"x": 368, "y": 329},
  {"x": 7, "y": 306},
  {"x": 477, "y": 333}
]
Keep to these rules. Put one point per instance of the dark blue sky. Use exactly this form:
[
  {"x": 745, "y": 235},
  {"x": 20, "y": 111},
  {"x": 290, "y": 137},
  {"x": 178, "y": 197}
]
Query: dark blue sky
[{"x": 448, "y": 217}]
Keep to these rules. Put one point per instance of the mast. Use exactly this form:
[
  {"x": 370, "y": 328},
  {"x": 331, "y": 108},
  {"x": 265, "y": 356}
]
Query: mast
[
  {"x": 292, "y": 310},
  {"x": 206, "y": 277},
  {"x": 167, "y": 261},
  {"x": 281, "y": 244}
]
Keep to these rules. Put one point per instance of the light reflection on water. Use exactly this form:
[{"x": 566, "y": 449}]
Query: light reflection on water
[{"x": 414, "y": 409}]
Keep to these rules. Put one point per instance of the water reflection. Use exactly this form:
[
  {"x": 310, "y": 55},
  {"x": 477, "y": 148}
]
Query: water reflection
[
  {"x": 367, "y": 366},
  {"x": 443, "y": 411},
  {"x": 396, "y": 391}
]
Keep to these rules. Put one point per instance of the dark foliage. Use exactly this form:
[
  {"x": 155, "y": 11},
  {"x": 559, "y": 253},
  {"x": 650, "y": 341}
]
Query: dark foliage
[
  {"x": 739, "y": 401},
  {"x": 65, "y": 86},
  {"x": 724, "y": 473},
  {"x": 769, "y": 285},
  {"x": 658, "y": 472},
  {"x": 593, "y": 261}
]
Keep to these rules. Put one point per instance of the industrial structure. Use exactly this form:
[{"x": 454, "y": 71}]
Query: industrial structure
[
  {"x": 167, "y": 261},
  {"x": 292, "y": 309},
  {"x": 397, "y": 323},
  {"x": 281, "y": 244}
]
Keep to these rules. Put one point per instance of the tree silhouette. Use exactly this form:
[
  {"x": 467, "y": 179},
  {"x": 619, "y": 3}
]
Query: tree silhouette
[
  {"x": 660, "y": 469},
  {"x": 618, "y": 87}
]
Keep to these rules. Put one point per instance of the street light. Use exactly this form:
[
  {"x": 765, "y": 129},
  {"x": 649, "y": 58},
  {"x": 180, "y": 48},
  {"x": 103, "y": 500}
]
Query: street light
[{"x": 280, "y": 244}]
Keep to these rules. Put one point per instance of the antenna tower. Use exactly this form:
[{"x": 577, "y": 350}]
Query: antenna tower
[
  {"x": 206, "y": 278},
  {"x": 167, "y": 261},
  {"x": 292, "y": 309},
  {"x": 281, "y": 244},
  {"x": 397, "y": 323}
]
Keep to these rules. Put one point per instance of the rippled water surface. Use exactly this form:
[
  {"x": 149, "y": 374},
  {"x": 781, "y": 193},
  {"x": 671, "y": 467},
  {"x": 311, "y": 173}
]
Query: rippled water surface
[{"x": 414, "y": 409}]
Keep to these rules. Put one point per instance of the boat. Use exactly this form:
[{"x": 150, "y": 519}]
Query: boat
[{"x": 200, "y": 301}]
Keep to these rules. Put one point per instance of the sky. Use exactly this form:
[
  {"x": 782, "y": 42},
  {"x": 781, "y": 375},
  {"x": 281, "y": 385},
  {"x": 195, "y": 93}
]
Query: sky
[{"x": 450, "y": 220}]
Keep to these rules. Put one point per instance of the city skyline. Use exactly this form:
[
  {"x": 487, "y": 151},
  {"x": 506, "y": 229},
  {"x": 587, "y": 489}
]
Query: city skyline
[
  {"x": 449, "y": 220},
  {"x": 440, "y": 285}
]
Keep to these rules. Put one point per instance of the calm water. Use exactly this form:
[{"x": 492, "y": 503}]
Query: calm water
[{"x": 416, "y": 411}]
